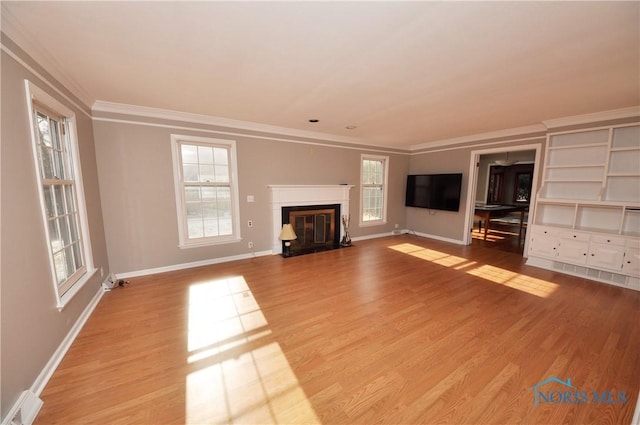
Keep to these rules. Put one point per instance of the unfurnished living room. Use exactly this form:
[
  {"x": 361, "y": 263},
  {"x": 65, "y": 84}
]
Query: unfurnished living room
[{"x": 320, "y": 212}]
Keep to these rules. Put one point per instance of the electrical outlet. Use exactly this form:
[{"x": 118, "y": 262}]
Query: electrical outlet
[
  {"x": 250, "y": 244},
  {"x": 250, "y": 223}
]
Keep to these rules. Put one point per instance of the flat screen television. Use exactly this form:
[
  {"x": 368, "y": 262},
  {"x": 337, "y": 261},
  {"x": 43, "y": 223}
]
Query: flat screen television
[{"x": 434, "y": 191}]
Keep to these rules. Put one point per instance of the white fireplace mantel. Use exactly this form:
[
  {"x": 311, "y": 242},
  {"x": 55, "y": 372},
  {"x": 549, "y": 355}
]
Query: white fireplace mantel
[{"x": 298, "y": 195}]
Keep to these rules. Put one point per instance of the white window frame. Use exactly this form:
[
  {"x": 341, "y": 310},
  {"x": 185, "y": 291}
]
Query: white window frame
[
  {"x": 385, "y": 185},
  {"x": 184, "y": 241},
  {"x": 65, "y": 292}
]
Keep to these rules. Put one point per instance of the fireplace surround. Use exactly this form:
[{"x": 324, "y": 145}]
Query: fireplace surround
[{"x": 305, "y": 196}]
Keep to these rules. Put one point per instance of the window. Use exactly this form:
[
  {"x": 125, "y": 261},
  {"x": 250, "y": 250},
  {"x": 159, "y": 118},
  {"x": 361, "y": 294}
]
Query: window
[
  {"x": 206, "y": 190},
  {"x": 373, "y": 198},
  {"x": 60, "y": 190}
]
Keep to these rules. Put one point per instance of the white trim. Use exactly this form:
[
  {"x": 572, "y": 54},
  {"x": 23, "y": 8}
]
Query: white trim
[
  {"x": 164, "y": 114},
  {"x": 472, "y": 184},
  {"x": 510, "y": 132},
  {"x": 436, "y": 237},
  {"x": 636, "y": 415},
  {"x": 45, "y": 80},
  {"x": 183, "y": 240},
  {"x": 47, "y": 372},
  {"x": 376, "y": 236},
  {"x": 614, "y": 114},
  {"x": 542, "y": 137},
  {"x": 385, "y": 190},
  {"x": 370, "y": 148},
  {"x": 175, "y": 267},
  {"x": 25, "y": 410},
  {"x": 299, "y": 195},
  {"x": 34, "y": 93}
]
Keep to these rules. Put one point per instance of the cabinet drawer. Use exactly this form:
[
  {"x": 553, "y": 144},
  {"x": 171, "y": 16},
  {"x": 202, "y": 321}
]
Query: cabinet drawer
[
  {"x": 576, "y": 236},
  {"x": 545, "y": 231},
  {"x": 606, "y": 239}
]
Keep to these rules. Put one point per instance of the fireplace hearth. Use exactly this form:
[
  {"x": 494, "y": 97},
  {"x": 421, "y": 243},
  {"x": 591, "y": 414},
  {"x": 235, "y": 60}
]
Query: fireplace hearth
[{"x": 317, "y": 227}]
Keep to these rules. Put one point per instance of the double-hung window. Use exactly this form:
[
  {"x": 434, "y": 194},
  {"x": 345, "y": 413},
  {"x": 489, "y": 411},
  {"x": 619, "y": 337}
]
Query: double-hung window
[
  {"x": 57, "y": 166},
  {"x": 374, "y": 172},
  {"x": 206, "y": 185}
]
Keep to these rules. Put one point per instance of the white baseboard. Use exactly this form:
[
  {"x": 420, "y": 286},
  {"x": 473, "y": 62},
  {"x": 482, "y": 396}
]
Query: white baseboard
[
  {"x": 193, "y": 264},
  {"x": 28, "y": 405},
  {"x": 436, "y": 237},
  {"x": 42, "y": 379}
]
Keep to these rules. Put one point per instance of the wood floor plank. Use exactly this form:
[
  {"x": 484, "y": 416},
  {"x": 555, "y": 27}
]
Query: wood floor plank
[{"x": 392, "y": 330}]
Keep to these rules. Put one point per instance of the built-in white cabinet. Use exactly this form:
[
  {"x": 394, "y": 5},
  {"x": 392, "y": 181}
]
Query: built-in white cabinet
[{"x": 587, "y": 212}]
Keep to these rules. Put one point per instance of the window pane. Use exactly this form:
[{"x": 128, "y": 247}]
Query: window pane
[
  {"x": 194, "y": 210},
  {"x": 210, "y": 228},
  {"x": 57, "y": 190},
  {"x": 205, "y": 155},
  {"x": 195, "y": 227},
  {"x": 221, "y": 156},
  {"x": 209, "y": 210},
  {"x": 189, "y": 154},
  {"x": 64, "y": 230},
  {"x": 60, "y": 264},
  {"x": 73, "y": 223},
  {"x": 46, "y": 157},
  {"x": 48, "y": 200},
  {"x": 206, "y": 173},
  {"x": 68, "y": 193},
  {"x": 226, "y": 227},
  {"x": 190, "y": 172},
  {"x": 372, "y": 203},
  {"x": 68, "y": 254},
  {"x": 43, "y": 129},
  {"x": 192, "y": 194},
  {"x": 208, "y": 193},
  {"x": 54, "y": 235},
  {"x": 77, "y": 254},
  {"x": 222, "y": 174}
]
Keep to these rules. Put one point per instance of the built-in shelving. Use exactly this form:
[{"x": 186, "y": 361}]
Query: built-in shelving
[{"x": 591, "y": 186}]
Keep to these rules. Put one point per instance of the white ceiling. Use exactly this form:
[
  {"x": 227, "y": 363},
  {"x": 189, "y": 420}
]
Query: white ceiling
[{"x": 405, "y": 73}]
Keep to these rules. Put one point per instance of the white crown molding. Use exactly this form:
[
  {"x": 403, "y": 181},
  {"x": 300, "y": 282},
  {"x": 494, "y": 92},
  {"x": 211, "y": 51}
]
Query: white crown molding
[
  {"x": 15, "y": 31},
  {"x": 615, "y": 114},
  {"x": 164, "y": 114},
  {"x": 511, "y": 132}
]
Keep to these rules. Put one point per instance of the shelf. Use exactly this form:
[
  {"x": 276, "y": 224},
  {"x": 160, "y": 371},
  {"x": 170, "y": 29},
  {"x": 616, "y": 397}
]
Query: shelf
[
  {"x": 571, "y": 181},
  {"x": 579, "y": 138},
  {"x": 630, "y": 206},
  {"x": 555, "y": 167},
  {"x": 623, "y": 175},
  {"x": 589, "y": 145},
  {"x": 625, "y": 149}
]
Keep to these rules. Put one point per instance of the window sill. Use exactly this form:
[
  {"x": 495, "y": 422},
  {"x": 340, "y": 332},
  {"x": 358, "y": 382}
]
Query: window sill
[
  {"x": 67, "y": 296},
  {"x": 208, "y": 243}
]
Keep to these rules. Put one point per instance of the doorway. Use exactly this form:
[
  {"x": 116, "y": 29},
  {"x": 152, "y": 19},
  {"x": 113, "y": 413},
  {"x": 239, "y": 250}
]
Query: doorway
[{"x": 503, "y": 184}]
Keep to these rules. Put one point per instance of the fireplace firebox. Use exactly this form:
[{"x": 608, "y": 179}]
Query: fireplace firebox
[{"x": 317, "y": 227}]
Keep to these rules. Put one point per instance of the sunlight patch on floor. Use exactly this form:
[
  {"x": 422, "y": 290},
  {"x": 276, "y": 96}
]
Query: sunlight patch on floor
[
  {"x": 256, "y": 386},
  {"x": 518, "y": 281},
  {"x": 437, "y": 257}
]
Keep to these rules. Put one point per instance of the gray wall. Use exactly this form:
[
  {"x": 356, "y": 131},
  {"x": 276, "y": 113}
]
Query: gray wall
[
  {"x": 136, "y": 183},
  {"x": 32, "y": 327}
]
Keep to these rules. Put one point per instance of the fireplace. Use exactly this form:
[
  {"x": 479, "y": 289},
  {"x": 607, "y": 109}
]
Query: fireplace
[
  {"x": 316, "y": 226},
  {"x": 305, "y": 196}
]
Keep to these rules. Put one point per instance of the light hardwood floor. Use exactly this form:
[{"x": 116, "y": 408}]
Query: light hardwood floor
[{"x": 397, "y": 330}]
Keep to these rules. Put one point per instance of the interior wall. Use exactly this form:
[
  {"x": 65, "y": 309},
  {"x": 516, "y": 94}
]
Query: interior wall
[
  {"x": 449, "y": 225},
  {"x": 136, "y": 182},
  {"x": 32, "y": 328}
]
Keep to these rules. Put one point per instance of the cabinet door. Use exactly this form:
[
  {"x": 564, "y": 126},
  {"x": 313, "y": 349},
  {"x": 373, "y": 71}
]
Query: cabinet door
[
  {"x": 573, "y": 251},
  {"x": 631, "y": 263},
  {"x": 605, "y": 256},
  {"x": 543, "y": 246}
]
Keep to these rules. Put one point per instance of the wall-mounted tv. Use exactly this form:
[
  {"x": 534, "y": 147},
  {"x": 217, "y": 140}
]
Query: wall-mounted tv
[{"x": 434, "y": 191}]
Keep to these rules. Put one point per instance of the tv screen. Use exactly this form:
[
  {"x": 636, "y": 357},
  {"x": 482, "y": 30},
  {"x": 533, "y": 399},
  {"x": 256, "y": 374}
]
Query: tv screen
[{"x": 434, "y": 191}]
